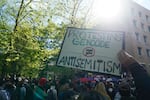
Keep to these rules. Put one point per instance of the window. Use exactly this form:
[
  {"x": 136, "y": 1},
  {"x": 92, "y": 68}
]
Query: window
[
  {"x": 137, "y": 36},
  {"x": 148, "y": 52},
  {"x": 140, "y": 14},
  {"x": 142, "y": 26},
  {"x": 149, "y": 28},
  {"x": 135, "y": 23},
  {"x": 145, "y": 38},
  {"x": 139, "y": 50},
  {"x": 147, "y": 17}
]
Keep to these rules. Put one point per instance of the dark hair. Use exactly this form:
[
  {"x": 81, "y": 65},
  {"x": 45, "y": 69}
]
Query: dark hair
[
  {"x": 91, "y": 95},
  {"x": 124, "y": 89},
  {"x": 1, "y": 82}
]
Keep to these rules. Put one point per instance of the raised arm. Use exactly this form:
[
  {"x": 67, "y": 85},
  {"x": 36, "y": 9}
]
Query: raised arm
[{"x": 140, "y": 75}]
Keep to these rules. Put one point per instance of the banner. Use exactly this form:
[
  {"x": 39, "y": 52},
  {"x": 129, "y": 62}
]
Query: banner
[{"x": 91, "y": 50}]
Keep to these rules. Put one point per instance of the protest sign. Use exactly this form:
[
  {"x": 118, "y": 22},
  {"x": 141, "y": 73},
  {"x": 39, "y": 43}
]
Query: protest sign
[{"x": 91, "y": 50}]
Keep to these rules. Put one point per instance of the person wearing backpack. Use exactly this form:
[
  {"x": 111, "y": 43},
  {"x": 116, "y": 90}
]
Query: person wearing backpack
[
  {"x": 52, "y": 93},
  {"x": 20, "y": 91},
  {"x": 4, "y": 94}
]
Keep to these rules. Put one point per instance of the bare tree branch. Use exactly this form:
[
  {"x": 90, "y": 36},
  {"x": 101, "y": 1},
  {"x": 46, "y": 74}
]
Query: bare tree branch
[
  {"x": 23, "y": 8},
  {"x": 18, "y": 15},
  {"x": 73, "y": 12},
  {"x": 85, "y": 17},
  {"x": 24, "y": 16},
  {"x": 78, "y": 5}
]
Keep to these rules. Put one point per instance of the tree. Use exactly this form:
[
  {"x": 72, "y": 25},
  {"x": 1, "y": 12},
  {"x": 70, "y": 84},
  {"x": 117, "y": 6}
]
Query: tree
[
  {"x": 74, "y": 12},
  {"x": 23, "y": 50},
  {"x": 32, "y": 31}
]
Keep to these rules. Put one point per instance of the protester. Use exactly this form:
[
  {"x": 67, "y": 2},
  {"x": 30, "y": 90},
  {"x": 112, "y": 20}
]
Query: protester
[
  {"x": 29, "y": 90},
  {"x": 100, "y": 88},
  {"x": 52, "y": 92},
  {"x": 110, "y": 89},
  {"x": 9, "y": 88},
  {"x": 140, "y": 75},
  {"x": 20, "y": 91},
  {"x": 124, "y": 92},
  {"x": 40, "y": 90},
  {"x": 67, "y": 93},
  {"x": 91, "y": 95},
  {"x": 4, "y": 94}
]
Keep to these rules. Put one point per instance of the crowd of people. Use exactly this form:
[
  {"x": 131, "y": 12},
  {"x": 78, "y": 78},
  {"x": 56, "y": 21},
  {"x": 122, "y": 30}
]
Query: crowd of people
[
  {"x": 63, "y": 89},
  {"x": 135, "y": 87}
]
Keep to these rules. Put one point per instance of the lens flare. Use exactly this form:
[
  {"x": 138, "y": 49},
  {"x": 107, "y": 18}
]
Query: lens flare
[{"x": 106, "y": 9}]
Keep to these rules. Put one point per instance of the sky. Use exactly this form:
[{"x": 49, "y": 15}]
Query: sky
[{"x": 144, "y": 3}]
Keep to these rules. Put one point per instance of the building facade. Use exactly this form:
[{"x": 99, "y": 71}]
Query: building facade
[
  {"x": 140, "y": 29},
  {"x": 134, "y": 21}
]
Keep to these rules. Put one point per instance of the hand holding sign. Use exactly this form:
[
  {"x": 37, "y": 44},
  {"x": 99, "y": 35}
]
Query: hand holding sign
[{"x": 125, "y": 59}]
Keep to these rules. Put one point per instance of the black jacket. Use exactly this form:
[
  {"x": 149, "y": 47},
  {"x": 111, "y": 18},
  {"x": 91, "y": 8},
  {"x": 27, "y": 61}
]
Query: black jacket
[{"x": 142, "y": 81}]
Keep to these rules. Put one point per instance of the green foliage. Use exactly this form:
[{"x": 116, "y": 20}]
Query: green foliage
[
  {"x": 50, "y": 71},
  {"x": 31, "y": 33}
]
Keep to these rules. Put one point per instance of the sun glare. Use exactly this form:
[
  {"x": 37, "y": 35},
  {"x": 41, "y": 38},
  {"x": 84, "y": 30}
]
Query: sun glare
[{"x": 106, "y": 9}]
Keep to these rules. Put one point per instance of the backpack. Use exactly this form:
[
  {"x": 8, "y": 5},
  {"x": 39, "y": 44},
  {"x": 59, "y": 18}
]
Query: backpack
[
  {"x": 4, "y": 95},
  {"x": 29, "y": 92},
  {"x": 19, "y": 93},
  {"x": 50, "y": 95}
]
